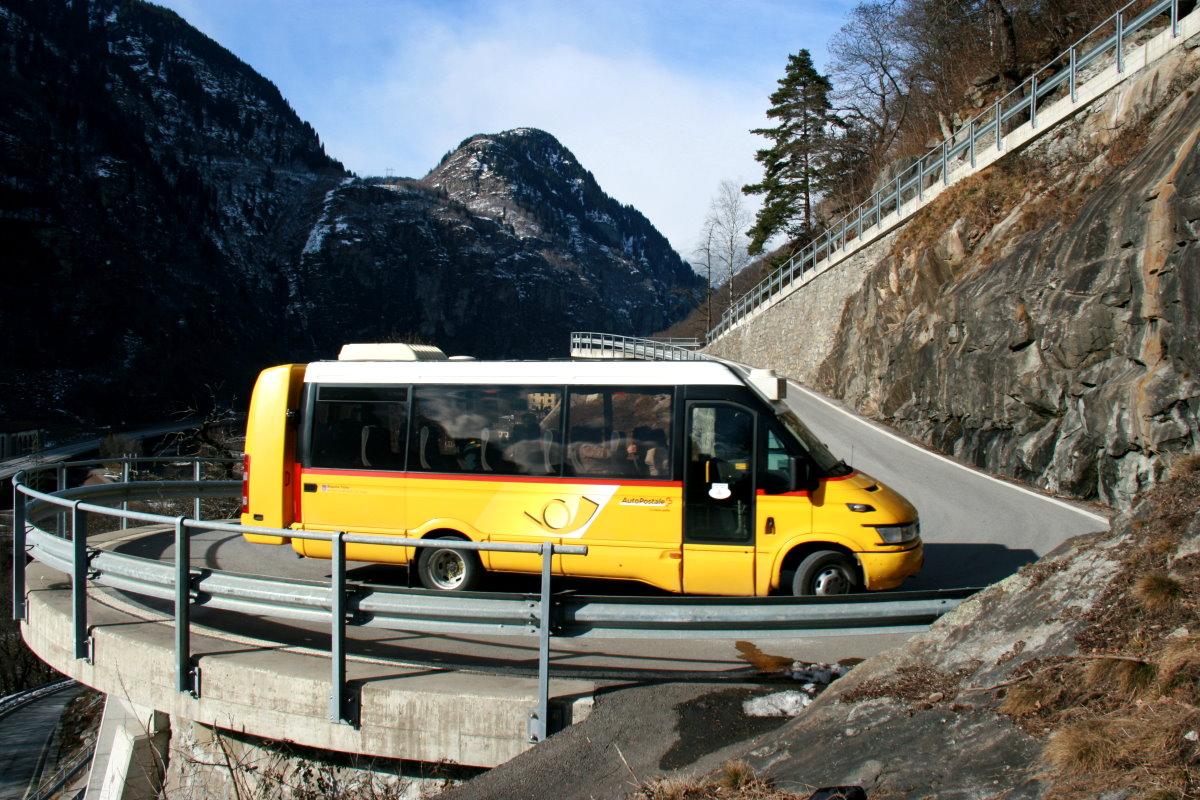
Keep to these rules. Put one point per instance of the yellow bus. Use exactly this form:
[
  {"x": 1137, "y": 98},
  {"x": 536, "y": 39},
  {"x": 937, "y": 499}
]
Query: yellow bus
[{"x": 692, "y": 477}]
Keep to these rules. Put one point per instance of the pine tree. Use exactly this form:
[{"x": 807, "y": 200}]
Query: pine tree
[{"x": 793, "y": 165}]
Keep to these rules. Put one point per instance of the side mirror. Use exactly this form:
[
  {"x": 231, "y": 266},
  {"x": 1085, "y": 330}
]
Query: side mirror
[{"x": 801, "y": 475}]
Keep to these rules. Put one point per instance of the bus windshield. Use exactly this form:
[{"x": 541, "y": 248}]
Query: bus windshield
[{"x": 832, "y": 467}]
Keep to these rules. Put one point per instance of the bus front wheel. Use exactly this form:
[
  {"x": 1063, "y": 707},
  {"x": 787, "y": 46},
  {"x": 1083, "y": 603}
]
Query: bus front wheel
[
  {"x": 449, "y": 570},
  {"x": 825, "y": 572}
]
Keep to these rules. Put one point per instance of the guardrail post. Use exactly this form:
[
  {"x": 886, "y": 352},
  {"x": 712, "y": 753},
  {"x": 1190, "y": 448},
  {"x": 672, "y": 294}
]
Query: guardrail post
[
  {"x": 1174, "y": 18},
  {"x": 999, "y": 133},
  {"x": 60, "y": 483},
  {"x": 1033, "y": 89},
  {"x": 539, "y": 719},
  {"x": 185, "y": 673},
  {"x": 196, "y": 478},
  {"x": 20, "y": 559},
  {"x": 339, "y": 707},
  {"x": 125, "y": 481},
  {"x": 1120, "y": 43},
  {"x": 1072, "y": 77},
  {"x": 79, "y": 576}
]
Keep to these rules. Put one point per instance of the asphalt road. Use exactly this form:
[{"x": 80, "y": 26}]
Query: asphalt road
[{"x": 26, "y": 738}]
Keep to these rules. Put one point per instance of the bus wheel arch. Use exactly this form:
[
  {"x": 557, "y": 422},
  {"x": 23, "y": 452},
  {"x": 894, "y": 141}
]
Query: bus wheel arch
[
  {"x": 820, "y": 568},
  {"x": 448, "y": 569}
]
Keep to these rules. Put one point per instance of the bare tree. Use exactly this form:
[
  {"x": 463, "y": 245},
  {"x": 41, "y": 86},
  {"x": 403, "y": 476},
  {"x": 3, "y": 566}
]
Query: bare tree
[
  {"x": 705, "y": 253},
  {"x": 726, "y": 224},
  {"x": 871, "y": 69}
]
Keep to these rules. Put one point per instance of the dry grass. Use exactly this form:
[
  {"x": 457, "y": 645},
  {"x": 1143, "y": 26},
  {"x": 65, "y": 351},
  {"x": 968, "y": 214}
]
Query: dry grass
[
  {"x": 1024, "y": 699},
  {"x": 1123, "y": 714},
  {"x": 1188, "y": 465},
  {"x": 1125, "y": 676},
  {"x": 736, "y": 780},
  {"x": 1081, "y": 748},
  {"x": 737, "y": 774},
  {"x": 1158, "y": 591}
]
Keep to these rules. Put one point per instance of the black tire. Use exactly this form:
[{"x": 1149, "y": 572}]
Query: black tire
[
  {"x": 825, "y": 572},
  {"x": 447, "y": 569}
]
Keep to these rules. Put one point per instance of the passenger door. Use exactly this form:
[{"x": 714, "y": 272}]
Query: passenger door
[{"x": 719, "y": 495}]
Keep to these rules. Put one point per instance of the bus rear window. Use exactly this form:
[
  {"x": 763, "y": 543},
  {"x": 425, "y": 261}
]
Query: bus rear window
[{"x": 359, "y": 427}]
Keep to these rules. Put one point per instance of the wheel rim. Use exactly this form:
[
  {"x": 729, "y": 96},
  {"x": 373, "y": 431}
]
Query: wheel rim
[
  {"x": 447, "y": 569},
  {"x": 831, "y": 580}
]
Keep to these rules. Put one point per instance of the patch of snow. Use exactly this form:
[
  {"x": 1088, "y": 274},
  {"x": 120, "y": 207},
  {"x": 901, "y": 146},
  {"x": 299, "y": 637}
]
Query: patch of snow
[{"x": 780, "y": 704}]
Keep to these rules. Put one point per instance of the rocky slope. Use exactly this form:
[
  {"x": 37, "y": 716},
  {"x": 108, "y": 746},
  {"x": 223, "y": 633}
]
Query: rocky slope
[
  {"x": 1040, "y": 319},
  {"x": 159, "y": 197},
  {"x": 1077, "y": 677}
]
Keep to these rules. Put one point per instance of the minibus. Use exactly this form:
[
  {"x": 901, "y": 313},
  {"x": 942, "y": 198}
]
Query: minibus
[{"x": 690, "y": 476}]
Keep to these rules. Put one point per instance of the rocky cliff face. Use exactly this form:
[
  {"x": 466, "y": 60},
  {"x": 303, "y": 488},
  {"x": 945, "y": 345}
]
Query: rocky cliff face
[
  {"x": 159, "y": 198},
  {"x": 1040, "y": 320}
]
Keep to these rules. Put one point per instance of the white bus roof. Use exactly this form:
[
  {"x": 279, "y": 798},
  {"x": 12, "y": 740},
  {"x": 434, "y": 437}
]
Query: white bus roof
[{"x": 529, "y": 373}]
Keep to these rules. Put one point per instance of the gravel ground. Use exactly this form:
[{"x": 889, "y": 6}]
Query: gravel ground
[{"x": 634, "y": 734}]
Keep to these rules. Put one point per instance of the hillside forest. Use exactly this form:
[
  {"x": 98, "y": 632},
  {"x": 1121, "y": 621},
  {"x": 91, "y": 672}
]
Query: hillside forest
[{"x": 903, "y": 75}]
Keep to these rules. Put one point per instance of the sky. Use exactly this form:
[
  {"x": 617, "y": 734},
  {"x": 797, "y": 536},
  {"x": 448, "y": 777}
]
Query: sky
[{"x": 655, "y": 97}]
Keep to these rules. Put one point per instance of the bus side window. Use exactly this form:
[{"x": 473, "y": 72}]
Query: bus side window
[
  {"x": 776, "y": 476},
  {"x": 499, "y": 430},
  {"x": 620, "y": 433},
  {"x": 359, "y": 428}
]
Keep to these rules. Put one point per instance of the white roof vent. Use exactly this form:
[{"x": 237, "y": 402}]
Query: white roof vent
[
  {"x": 768, "y": 384},
  {"x": 390, "y": 351}
]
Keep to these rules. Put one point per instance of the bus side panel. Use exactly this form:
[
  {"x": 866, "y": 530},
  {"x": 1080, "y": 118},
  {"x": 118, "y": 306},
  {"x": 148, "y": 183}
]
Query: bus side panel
[
  {"x": 791, "y": 517},
  {"x": 271, "y": 450},
  {"x": 357, "y": 502},
  {"x": 636, "y": 534},
  {"x": 482, "y": 509}
]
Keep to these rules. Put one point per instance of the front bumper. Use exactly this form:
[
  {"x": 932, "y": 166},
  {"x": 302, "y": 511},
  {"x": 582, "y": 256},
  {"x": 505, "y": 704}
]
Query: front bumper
[{"x": 887, "y": 570}]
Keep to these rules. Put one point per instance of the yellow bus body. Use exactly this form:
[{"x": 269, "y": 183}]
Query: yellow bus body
[{"x": 633, "y": 528}]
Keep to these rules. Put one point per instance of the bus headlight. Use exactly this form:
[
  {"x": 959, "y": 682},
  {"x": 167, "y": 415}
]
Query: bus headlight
[{"x": 899, "y": 534}]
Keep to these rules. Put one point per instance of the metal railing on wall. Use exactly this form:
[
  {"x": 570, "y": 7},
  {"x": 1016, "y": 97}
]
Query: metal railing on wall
[
  {"x": 585, "y": 344},
  {"x": 1059, "y": 78},
  {"x": 341, "y": 603}
]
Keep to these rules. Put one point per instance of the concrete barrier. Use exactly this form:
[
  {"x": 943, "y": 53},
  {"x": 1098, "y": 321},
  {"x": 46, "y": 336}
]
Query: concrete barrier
[{"x": 281, "y": 692}]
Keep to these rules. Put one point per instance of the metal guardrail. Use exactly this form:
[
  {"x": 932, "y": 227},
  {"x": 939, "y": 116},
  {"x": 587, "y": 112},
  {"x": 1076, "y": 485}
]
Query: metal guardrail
[
  {"x": 585, "y": 344},
  {"x": 1058, "y": 78},
  {"x": 12, "y": 702},
  {"x": 65, "y": 774},
  {"x": 341, "y": 603}
]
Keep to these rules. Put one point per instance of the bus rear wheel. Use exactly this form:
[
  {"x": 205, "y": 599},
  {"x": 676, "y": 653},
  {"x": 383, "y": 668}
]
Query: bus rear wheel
[
  {"x": 825, "y": 572},
  {"x": 448, "y": 569}
]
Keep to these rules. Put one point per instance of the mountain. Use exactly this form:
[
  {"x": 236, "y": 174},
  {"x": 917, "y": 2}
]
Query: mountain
[
  {"x": 500, "y": 251},
  {"x": 172, "y": 226}
]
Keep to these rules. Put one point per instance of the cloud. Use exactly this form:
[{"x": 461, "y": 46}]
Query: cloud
[{"x": 653, "y": 136}]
